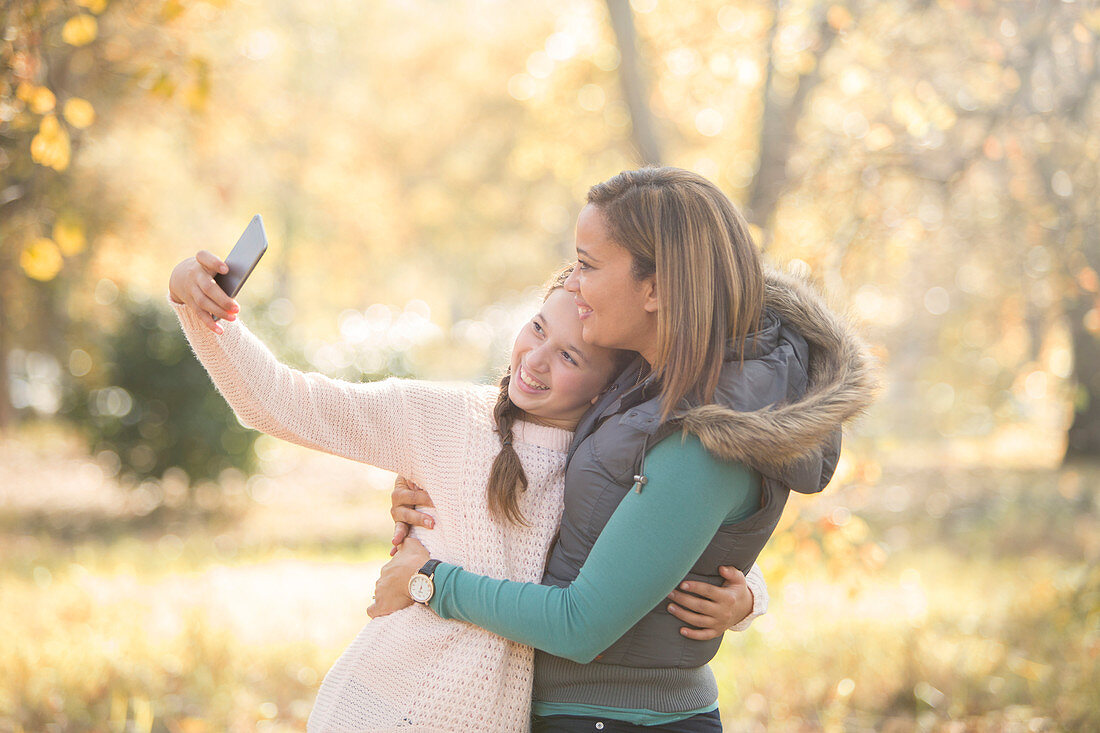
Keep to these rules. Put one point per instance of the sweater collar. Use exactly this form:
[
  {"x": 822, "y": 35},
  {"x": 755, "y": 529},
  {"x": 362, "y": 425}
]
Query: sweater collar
[{"x": 544, "y": 436}]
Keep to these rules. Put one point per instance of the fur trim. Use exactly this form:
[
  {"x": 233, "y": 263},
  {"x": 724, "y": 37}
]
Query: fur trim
[{"x": 843, "y": 383}]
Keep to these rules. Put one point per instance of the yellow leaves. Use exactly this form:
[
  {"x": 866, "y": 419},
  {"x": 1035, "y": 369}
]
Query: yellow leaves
[
  {"x": 42, "y": 101},
  {"x": 41, "y": 260},
  {"x": 50, "y": 147},
  {"x": 163, "y": 86},
  {"x": 95, "y": 6},
  {"x": 196, "y": 96},
  {"x": 44, "y": 257},
  {"x": 79, "y": 113},
  {"x": 197, "y": 92},
  {"x": 39, "y": 100},
  {"x": 171, "y": 10},
  {"x": 839, "y": 17},
  {"x": 80, "y": 30},
  {"x": 69, "y": 235}
]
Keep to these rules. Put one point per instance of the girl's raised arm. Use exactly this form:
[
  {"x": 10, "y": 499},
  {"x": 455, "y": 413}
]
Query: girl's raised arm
[{"x": 379, "y": 423}]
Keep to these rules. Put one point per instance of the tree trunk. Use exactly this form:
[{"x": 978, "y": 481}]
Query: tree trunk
[
  {"x": 777, "y": 131},
  {"x": 1084, "y": 434},
  {"x": 634, "y": 88},
  {"x": 1083, "y": 440},
  {"x": 7, "y": 412}
]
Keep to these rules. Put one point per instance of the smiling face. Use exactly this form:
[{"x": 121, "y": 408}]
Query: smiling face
[
  {"x": 556, "y": 375},
  {"x": 617, "y": 310}
]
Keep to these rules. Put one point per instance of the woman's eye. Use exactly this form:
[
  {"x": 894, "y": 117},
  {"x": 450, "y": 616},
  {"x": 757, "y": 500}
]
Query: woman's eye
[
  {"x": 581, "y": 264},
  {"x": 565, "y": 355},
  {"x": 535, "y": 325}
]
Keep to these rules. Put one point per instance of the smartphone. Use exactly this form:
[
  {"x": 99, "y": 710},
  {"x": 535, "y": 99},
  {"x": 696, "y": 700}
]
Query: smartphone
[{"x": 242, "y": 260}]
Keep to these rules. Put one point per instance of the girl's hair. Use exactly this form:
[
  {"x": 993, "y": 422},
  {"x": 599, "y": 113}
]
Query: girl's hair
[
  {"x": 506, "y": 478},
  {"x": 680, "y": 227}
]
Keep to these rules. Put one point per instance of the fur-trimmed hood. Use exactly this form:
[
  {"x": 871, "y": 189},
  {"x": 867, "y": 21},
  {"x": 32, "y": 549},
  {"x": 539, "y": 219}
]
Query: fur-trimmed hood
[{"x": 805, "y": 373}]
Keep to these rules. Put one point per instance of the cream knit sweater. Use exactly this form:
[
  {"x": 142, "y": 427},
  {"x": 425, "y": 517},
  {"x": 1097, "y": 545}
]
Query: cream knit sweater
[{"x": 411, "y": 670}]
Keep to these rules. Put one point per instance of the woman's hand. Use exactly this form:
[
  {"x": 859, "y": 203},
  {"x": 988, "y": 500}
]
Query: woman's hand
[
  {"x": 404, "y": 499},
  {"x": 192, "y": 284},
  {"x": 391, "y": 592},
  {"x": 711, "y": 608}
]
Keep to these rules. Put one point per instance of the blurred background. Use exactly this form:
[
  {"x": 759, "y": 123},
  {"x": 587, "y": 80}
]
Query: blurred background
[{"x": 931, "y": 164}]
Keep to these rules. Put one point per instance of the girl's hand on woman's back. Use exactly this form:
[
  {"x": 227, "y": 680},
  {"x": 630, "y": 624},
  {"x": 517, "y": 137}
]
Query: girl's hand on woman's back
[
  {"x": 712, "y": 608},
  {"x": 192, "y": 284}
]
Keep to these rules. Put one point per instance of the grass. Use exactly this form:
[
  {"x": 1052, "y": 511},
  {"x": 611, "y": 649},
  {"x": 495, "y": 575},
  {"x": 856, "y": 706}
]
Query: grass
[{"x": 973, "y": 605}]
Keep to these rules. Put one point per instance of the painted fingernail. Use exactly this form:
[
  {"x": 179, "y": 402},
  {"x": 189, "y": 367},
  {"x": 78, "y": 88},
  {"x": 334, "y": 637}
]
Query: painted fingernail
[
  {"x": 429, "y": 524},
  {"x": 671, "y": 607},
  {"x": 219, "y": 330},
  {"x": 684, "y": 586}
]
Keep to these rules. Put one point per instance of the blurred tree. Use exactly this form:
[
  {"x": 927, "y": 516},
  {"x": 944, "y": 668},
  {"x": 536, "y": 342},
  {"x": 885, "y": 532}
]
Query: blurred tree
[
  {"x": 153, "y": 404},
  {"x": 932, "y": 162},
  {"x": 785, "y": 93},
  {"x": 993, "y": 164},
  {"x": 63, "y": 65},
  {"x": 633, "y": 84},
  {"x": 944, "y": 181}
]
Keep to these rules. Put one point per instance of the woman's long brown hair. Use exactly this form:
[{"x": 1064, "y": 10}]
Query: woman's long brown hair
[{"x": 681, "y": 228}]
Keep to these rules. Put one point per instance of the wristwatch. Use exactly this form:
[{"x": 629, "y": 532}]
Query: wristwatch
[{"x": 422, "y": 585}]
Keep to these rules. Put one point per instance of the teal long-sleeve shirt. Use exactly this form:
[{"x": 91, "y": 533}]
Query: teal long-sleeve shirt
[{"x": 650, "y": 543}]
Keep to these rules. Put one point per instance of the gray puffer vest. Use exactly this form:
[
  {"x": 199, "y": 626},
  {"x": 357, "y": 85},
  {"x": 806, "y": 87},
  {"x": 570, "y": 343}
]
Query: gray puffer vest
[{"x": 780, "y": 413}]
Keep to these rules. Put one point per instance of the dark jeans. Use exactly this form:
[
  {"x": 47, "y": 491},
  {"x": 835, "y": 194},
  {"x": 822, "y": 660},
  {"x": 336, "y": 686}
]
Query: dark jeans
[{"x": 701, "y": 723}]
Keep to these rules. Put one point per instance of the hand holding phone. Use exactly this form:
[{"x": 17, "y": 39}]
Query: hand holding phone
[{"x": 194, "y": 282}]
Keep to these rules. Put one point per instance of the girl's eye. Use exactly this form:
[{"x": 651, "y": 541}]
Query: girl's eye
[
  {"x": 535, "y": 325},
  {"x": 568, "y": 358}
]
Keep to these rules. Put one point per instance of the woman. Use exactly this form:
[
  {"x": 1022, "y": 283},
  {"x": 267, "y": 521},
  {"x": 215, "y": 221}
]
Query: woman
[
  {"x": 685, "y": 464},
  {"x": 481, "y": 446}
]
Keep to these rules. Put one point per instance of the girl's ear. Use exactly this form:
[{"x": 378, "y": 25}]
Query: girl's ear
[{"x": 649, "y": 293}]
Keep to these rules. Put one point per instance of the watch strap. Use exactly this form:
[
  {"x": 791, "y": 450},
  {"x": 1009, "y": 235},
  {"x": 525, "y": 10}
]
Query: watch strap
[{"x": 428, "y": 568}]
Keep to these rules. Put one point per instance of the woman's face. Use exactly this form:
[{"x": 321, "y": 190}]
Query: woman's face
[
  {"x": 616, "y": 310},
  {"x": 556, "y": 376}
]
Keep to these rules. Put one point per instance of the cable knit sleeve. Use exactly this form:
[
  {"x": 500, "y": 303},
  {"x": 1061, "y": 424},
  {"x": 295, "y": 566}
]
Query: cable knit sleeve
[
  {"x": 384, "y": 424},
  {"x": 755, "y": 581}
]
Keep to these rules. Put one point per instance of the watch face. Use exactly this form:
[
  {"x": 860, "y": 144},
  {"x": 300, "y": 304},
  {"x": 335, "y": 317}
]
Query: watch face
[{"x": 421, "y": 588}]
